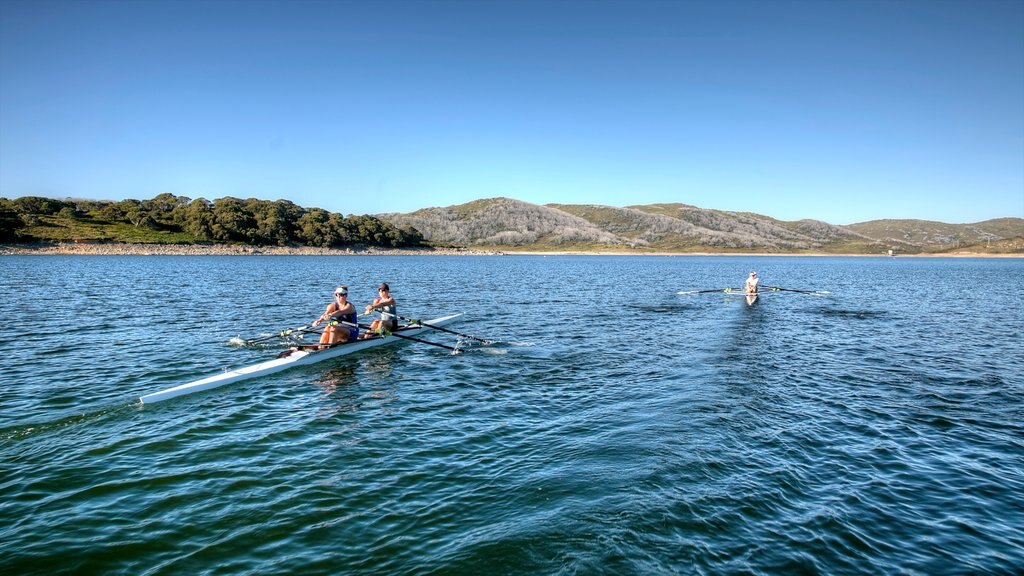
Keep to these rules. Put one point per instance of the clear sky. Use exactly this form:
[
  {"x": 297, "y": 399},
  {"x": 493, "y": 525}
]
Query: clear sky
[{"x": 842, "y": 111}]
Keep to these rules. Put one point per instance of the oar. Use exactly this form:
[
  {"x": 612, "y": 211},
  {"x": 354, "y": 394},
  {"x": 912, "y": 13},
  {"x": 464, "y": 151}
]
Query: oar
[
  {"x": 726, "y": 290},
  {"x": 367, "y": 327},
  {"x": 287, "y": 332},
  {"x": 811, "y": 292},
  {"x": 422, "y": 323},
  {"x": 283, "y": 334}
]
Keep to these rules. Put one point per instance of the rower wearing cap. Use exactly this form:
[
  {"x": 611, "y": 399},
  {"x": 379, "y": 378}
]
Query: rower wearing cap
[
  {"x": 750, "y": 287},
  {"x": 341, "y": 310},
  {"x": 385, "y": 303}
]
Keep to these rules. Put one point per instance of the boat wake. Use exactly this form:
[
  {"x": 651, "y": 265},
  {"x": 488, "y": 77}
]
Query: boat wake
[
  {"x": 23, "y": 431},
  {"x": 494, "y": 351}
]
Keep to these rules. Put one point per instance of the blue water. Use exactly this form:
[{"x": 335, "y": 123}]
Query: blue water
[{"x": 617, "y": 428}]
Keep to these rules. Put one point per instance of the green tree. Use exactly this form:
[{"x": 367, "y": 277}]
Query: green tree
[
  {"x": 39, "y": 205},
  {"x": 196, "y": 218},
  {"x": 161, "y": 209},
  {"x": 231, "y": 221},
  {"x": 9, "y": 221},
  {"x": 112, "y": 212},
  {"x": 315, "y": 229},
  {"x": 410, "y": 236},
  {"x": 275, "y": 222},
  {"x": 140, "y": 218}
]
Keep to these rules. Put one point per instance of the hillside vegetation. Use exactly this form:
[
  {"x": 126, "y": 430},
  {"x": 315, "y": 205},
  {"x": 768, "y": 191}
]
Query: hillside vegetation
[
  {"x": 504, "y": 223},
  {"x": 939, "y": 235},
  {"x": 169, "y": 219}
]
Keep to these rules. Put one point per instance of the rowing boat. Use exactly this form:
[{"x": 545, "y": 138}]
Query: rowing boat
[{"x": 300, "y": 357}]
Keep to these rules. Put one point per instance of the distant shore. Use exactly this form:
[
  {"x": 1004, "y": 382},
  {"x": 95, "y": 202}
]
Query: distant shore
[{"x": 125, "y": 249}]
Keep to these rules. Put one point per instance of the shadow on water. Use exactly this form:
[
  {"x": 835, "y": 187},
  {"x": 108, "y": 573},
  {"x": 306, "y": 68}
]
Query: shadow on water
[
  {"x": 669, "y": 308},
  {"x": 850, "y": 314},
  {"x": 736, "y": 339},
  {"x": 749, "y": 319}
]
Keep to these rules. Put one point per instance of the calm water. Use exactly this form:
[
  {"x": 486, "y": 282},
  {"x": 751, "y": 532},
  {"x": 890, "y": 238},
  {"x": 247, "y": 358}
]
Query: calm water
[{"x": 619, "y": 428}]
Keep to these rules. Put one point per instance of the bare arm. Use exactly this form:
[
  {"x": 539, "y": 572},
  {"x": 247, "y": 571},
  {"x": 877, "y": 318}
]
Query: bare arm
[
  {"x": 380, "y": 304},
  {"x": 326, "y": 315}
]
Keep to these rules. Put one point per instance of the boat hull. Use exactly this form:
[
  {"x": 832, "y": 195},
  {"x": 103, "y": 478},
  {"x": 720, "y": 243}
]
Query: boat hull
[{"x": 297, "y": 358}]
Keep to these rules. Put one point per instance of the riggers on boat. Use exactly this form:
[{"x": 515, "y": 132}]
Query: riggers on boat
[{"x": 300, "y": 357}]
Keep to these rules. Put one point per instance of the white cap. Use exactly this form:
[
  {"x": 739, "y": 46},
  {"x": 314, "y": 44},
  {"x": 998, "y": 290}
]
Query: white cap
[{"x": 341, "y": 290}]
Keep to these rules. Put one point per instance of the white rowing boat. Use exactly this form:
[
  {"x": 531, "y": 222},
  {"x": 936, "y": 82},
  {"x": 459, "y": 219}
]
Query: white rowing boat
[{"x": 301, "y": 357}]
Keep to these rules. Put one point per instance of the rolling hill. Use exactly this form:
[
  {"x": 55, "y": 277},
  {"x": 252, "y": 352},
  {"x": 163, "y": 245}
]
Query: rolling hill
[{"x": 508, "y": 224}]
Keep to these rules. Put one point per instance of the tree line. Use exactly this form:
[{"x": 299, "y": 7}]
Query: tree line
[{"x": 250, "y": 221}]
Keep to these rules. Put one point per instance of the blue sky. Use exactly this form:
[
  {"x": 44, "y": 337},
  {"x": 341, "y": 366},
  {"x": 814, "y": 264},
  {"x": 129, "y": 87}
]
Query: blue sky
[{"x": 842, "y": 111}]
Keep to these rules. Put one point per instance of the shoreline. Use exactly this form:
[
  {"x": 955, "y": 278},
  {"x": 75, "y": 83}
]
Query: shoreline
[{"x": 127, "y": 249}]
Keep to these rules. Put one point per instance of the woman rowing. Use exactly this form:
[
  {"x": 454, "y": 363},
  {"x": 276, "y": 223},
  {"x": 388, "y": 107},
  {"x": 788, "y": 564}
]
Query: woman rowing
[
  {"x": 342, "y": 320},
  {"x": 384, "y": 303},
  {"x": 750, "y": 287}
]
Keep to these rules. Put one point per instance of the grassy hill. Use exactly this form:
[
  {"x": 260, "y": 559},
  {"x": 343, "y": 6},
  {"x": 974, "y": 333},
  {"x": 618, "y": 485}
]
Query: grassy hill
[
  {"x": 939, "y": 236},
  {"x": 495, "y": 223},
  {"x": 86, "y": 229},
  {"x": 504, "y": 223}
]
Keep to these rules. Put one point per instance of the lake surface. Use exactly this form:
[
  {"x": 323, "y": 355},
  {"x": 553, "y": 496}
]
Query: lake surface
[{"x": 617, "y": 428}]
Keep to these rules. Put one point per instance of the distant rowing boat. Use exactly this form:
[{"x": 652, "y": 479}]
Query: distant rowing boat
[
  {"x": 301, "y": 357},
  {"x": 742, "y": 292}
]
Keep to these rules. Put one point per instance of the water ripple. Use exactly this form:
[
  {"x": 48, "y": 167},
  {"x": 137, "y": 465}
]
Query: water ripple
[{"x": 871, "y": 431}]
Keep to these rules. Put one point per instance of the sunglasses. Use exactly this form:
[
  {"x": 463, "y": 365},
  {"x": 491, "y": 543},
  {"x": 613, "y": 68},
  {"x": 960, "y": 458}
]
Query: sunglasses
[{"x": 341, "y": 293}]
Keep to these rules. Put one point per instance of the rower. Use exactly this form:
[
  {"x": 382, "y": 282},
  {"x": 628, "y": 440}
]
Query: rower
[
  {"x": 384, "y": 303},
  {"x": 750, "y": 287},
  {"x": 341, "y": 317}
]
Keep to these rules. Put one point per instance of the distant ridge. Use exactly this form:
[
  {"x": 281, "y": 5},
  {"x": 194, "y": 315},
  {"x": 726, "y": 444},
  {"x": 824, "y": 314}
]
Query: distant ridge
[
  {"x": 492, "y": 224},
  {"x": 506, "y": 223},
  {"x": 926, "y": 233}
]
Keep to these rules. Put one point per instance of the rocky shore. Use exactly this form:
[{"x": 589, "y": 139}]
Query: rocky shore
[
  {"x": 118, "y": 249},
  {"x": 125, "y": 249}
]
